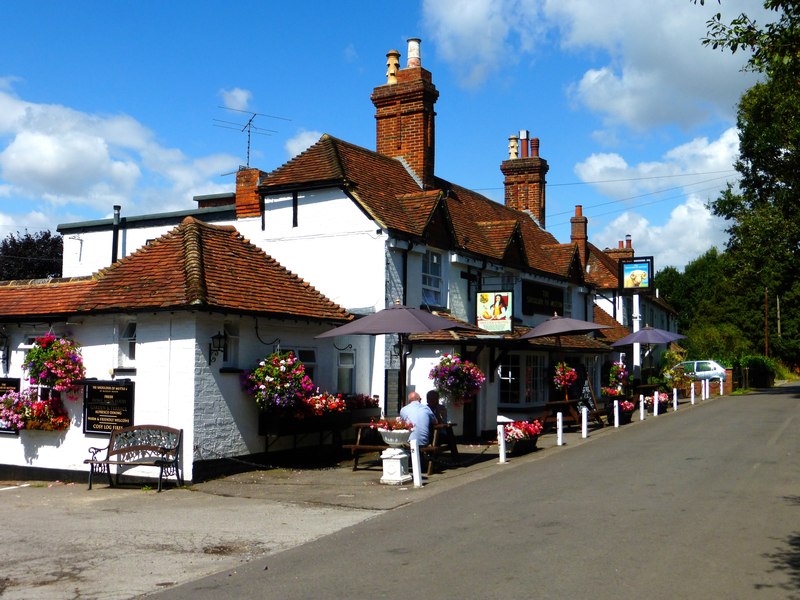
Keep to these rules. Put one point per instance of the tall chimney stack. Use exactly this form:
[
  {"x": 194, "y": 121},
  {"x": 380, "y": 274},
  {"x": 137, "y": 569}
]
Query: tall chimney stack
[
  {"x": 579, "y": 234},
  {"x": 524, "y": 179},
  {"x": 405, "y": 116}
]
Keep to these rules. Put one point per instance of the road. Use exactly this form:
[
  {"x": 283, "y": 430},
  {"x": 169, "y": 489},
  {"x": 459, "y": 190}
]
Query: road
[{"x": 703, "y": 503}]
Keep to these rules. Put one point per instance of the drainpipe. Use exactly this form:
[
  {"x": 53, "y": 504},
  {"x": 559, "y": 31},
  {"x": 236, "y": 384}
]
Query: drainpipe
[{"x": 115, "y": 234}]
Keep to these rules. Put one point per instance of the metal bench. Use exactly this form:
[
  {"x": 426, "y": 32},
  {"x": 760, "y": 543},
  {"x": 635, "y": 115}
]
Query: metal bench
[{"x": 139, "y": 446}]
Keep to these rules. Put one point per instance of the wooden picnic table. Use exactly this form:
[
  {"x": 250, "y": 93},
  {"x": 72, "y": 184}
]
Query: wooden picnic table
[{"x": 369, "y": 440}]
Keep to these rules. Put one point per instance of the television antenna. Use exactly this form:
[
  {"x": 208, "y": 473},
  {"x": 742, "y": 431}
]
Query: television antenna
[{"x": 248, "y": 126}]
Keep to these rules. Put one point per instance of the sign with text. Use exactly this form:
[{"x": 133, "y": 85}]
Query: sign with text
[
  {"x": 541, "y": 299},
  {"x": 495, "y": 311},
  {"x": 8, "y": 384},
  {"x": 636, "y": 274},
  {"x": 108, "y": 405}
]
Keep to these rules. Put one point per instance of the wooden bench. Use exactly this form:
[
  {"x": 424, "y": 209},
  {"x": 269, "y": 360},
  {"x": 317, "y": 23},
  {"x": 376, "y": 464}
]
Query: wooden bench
[
  {"x": 139, "y": 446},
  {"x": 369, "y": 440}
]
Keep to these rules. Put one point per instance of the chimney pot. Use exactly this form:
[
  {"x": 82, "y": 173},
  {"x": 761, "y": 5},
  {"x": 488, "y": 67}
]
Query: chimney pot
[
  {"x": 523, "y": 142},
  {"x": 414, "y": 59},
  {"x": 621, "y": 245},
  {"x": 513, "y": 147},
  {"x": 535, "y": 147},
  {"x": 578, "y": 210},
  {"x": 628, "y": 241},
  {"x": 392, "y": 66}
]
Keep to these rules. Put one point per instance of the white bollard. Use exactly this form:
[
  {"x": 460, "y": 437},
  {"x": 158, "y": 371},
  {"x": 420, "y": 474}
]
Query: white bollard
[
  {"x": 641, "y": 407},
  {"x": 416, "y": 467},
  {"x": 692, "y": 393},
  {"x": 674, "y": 399},
  {"x": 655, "y": 404},
  {"x": 616, "y": 413},
  {"x": 706, "y": 389},
  {"x": 721, "y": 388},
  {"x": 584, "y": 422},
  {"x": 559, "y": 429},
  {"x": 501, "y": 443}
]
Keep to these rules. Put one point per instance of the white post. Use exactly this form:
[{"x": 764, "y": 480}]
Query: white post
[
  {"x": 416, "y": 467},
  {"x": 674, "y": 399},
  {"x": 584, "y": 422},
  {"x": 641, "y": 407},
  {"x": 637, "y": 348},
  {"x": 721, "y": 387},
  {"x": 692, "y": 393},
  {"x": 559, "y": 429},
  {"x": 706, "y": 389},
  {"x": 655, "y": 404},
  {"x": 501, "y": 443}
]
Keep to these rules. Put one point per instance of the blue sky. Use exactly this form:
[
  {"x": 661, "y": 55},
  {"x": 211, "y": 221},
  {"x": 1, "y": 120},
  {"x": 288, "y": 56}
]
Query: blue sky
[{"x": 105, "y": 103}]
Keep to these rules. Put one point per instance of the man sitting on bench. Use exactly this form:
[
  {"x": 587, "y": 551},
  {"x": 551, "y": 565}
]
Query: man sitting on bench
[{"x": 422, "y": 418}]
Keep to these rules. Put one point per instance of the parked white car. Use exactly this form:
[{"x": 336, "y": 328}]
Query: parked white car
[{"x": 703, "y": 369}]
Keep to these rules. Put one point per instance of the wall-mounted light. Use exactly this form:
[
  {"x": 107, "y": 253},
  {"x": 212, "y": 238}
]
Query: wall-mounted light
[{"x": 219, "y": 343}]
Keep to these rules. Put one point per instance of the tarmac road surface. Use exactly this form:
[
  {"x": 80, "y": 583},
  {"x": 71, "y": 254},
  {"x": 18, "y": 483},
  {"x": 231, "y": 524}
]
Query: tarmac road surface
[{"x": 702, "y": 503}]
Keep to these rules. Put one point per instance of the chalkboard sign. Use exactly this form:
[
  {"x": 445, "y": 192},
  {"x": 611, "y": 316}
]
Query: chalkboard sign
[
  {"x": 108, "y": 405},
  {"x": 8, "y": 384},
  {"x": 587, "y": 396}
]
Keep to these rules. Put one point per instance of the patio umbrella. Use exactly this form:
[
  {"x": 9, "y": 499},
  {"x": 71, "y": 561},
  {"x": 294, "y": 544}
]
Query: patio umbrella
[
  {"x": 394, "y": 319},
  {"x": 398, "y": 319},
  {"x": 558, "y": 326},
  {"x": 648, "y": 335}
]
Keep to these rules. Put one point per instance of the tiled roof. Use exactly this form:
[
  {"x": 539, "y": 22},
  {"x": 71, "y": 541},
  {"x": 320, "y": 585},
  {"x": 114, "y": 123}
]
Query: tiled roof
[
  {"x": 387, "y": 191},
  {"x": 603, "y": 271},
  {"x": 194, "y": 266},
  {"x": 616, "y": 331}
]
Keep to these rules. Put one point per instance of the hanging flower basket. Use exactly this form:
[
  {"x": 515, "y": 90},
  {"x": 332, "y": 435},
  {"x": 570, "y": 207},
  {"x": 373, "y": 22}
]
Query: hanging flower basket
[
  {"x": 456, "y": 380},
  {"x": 55, "y": 363},
  {"x": 564, "y": 378}
]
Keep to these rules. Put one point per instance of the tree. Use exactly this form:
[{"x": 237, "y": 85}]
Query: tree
[
  {"x": 763, "y": 212},
  {"x": 26, "y": 256}
]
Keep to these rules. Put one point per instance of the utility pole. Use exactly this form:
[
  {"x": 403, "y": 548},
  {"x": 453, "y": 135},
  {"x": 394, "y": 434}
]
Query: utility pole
[{"x": 766, "y": 322}]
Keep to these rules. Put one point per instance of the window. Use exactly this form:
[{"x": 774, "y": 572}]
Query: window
[
  {"x": 127, "y": 344},
  {"x": 432, "y": 283},
  {"x": 345, "y": 377},
  {"x": 309, "y": 360},
  {"x": 231, "y": 357},
  {"x": 523, "y": 379}
]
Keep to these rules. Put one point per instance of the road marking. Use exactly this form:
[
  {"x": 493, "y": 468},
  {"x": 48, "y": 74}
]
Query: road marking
[
  {"x": 15, "y": 487},
  {"x": 774, "y": 439}
]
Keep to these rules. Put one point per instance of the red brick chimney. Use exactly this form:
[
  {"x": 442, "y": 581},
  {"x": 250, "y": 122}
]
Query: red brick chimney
[
  {"x": 248, "y": 202},
  {"x": 579, "y": 234},
  {"x": 624, "y": 250},
  {"x": 524, "y": 173},
  {"x": 404, "y": 115}
]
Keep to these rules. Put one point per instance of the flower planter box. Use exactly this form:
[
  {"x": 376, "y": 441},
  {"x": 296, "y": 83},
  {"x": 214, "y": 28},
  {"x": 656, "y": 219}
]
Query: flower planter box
[
  {"x": 519, "y": 447},
  {"x": 272, "y": 424}
]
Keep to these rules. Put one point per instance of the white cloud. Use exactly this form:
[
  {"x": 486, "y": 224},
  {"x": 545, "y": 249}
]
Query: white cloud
[
  {"x": 56, "y": 156},
  {"x": 650, "y": 70},
  {"x": 478, "y": 36},
  {"x": 301, "y": 141},
  {"x": 236, "y": 98},
  {"x": 699, "y": 162},
  {"x": 690, "y": 231}
]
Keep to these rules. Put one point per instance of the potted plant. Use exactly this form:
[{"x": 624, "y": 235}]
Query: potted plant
[
  {"x": 457, "y": 380},
  {"x": 395, "y": 432},
  {"x": 663, "y": 402},
  {"x": 564, "y": 378},
  {"x": 55, "y": 363},
  {"x": 26, "y": 410},
  {"x": 521, "y": 436}
]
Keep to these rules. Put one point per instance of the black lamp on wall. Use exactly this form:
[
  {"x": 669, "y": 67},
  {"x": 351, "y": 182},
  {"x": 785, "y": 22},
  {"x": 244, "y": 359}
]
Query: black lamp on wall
[
  {"x": 4, "y": 353},
  {"x": 219, "y": 343}
]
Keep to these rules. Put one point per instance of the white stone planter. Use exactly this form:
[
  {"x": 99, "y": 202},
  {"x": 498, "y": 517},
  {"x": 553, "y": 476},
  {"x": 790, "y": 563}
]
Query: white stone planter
[{"x": 395, "y": 438}]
